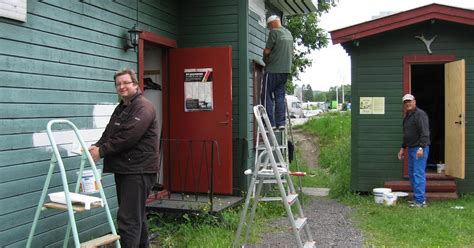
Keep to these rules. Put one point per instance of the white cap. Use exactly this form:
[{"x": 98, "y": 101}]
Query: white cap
[
  {"x": 272, "y": 18},
  {"x": 408, "y": 97}
]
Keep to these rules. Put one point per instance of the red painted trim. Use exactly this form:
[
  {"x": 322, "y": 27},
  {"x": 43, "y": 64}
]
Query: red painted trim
[
  {"x": 166, "y": 43},
  {"x": 158, "y": 39},
  {"x": 409, "y": 60},
  {"x": 406, "y": 18},
  {"x": 141, "y": 55}
]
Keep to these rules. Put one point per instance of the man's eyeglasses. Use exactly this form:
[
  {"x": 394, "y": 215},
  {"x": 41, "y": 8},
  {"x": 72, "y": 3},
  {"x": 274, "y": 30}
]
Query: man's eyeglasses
[{"x": 124, "y": 83}]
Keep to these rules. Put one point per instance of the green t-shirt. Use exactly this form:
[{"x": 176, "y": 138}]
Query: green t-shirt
[{"x": 280, "y": 42}]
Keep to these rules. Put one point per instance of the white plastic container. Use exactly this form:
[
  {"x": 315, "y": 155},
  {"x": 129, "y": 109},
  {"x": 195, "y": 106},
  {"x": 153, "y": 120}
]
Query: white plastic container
[
  {"x": 88, "y": 182},
  {"x": 389, "y": 199},
  {"x": 378, "y": 194}
]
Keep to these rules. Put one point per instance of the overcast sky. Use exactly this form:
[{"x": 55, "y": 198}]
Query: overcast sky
[{"x": 331, "y": 65}]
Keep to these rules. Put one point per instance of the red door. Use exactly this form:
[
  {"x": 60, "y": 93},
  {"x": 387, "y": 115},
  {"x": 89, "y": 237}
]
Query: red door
[{"x": 200, "y": 114}]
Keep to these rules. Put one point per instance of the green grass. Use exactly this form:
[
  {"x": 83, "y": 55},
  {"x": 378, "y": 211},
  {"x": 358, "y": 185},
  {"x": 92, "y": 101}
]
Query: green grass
[{"x": 439, "y": 225}]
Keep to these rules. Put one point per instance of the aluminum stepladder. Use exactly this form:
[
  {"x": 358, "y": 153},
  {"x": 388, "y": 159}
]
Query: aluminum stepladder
[
  {"x": 268, "y": 168},
  {"x": 57, "y": 160}
]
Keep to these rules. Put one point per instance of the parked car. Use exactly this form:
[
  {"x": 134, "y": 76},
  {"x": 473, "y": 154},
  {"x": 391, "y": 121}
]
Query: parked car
[{"x": 294, "y": 107}]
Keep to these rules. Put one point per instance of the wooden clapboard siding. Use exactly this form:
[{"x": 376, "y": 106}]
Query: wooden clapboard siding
[
  {"x": 59, "y": 64},
  {"x": 377, "y": 71}
]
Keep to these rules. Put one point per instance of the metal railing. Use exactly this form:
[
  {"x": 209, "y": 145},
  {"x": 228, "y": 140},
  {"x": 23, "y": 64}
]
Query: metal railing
[{"x": 189, "y": 166}]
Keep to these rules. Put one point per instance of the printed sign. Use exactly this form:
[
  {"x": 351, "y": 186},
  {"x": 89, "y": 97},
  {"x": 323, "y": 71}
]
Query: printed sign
[
  {"x": 198, "y": 90},
  {"x": 372, "y": 105}
]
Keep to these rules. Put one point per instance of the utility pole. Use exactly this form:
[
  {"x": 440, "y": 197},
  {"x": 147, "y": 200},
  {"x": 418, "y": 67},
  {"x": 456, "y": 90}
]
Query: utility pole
[{"x": 342, "y": 101}]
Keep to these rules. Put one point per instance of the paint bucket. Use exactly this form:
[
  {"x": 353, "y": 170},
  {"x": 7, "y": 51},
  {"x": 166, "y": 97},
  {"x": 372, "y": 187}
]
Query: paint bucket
[
  {"x": 439, "y": 168},
  {"x": 378, "y": 194},
  {"x": 389, "y": 199},
  {"x": 88, "y": 183}
]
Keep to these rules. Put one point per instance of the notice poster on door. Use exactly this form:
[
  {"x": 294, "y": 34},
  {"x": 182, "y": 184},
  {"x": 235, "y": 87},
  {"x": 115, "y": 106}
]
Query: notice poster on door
[
  {"x": 372, "y": 105},
  {"x": 198, "y": 89}
]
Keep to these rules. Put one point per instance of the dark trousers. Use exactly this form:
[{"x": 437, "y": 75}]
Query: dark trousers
[
  {"x": 273, "y": 90},
  {"x": 132, "y": 192}
]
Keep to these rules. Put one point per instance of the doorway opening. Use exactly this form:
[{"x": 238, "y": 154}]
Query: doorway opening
[{"x": 427, "y": 85}]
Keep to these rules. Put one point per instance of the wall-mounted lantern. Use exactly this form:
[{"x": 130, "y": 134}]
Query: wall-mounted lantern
[{"x": 134, "y": 35}]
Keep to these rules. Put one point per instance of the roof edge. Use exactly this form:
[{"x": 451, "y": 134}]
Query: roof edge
[{"x": 402, "y": 19}]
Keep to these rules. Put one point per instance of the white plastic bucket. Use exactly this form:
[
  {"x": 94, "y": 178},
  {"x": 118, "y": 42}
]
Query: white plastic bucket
[
  {"x": 378, "y": 194},
  {"x": 88, "y": 182},
  {"x": 389, "y": 199}
]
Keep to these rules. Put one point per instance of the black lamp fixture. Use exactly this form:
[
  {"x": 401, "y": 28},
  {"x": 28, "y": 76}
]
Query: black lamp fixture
[{"x": 134, "y": 35}]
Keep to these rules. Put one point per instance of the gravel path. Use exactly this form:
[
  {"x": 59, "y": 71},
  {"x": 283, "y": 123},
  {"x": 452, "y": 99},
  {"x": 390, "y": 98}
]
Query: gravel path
[{"x": 328, "y": 222}]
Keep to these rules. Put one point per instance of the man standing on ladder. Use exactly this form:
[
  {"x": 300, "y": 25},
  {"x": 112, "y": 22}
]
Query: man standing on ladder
[
  {"x": 129, "y": 146},
  {"x": 277, "y": 55}
]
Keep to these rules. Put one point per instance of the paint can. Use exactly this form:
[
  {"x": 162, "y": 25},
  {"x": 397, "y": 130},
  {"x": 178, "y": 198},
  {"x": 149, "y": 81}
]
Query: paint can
[
  {"x": 439, "y": 168},
  {"x": 378, "y": 194},
  {"x": 389, "y": 199},
  {"x": 88, "y": 184}
]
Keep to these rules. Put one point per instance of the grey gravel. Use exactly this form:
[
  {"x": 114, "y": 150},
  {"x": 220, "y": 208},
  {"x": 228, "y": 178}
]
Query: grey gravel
[{"x": 328, "y": 221}]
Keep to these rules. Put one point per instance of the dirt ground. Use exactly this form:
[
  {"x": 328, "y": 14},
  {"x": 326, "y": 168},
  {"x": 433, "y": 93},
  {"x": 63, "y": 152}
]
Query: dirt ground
[
  {"x": 327, "y": 218},
  {"x": 307, "y": 146}
]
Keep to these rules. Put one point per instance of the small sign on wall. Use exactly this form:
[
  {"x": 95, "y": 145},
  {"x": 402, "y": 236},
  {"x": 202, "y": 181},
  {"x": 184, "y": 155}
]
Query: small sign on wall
[
  {"x": 13, "y": 9},
  {"x": 372, "y": 105},
  {"x": 198, "y": 90}
]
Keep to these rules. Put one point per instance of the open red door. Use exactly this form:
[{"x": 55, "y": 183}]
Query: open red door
[{"x": 200, "y": 109}]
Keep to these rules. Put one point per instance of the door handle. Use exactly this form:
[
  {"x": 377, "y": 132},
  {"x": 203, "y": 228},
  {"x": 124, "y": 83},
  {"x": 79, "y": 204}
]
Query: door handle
[
  {"x": 458, "y": 122},
  {"x": 224, "y": 122}
]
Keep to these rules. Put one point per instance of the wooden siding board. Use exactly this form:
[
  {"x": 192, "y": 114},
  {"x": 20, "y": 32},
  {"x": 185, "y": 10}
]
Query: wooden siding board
[
  {"x": 58, "y": 41},
  {"x": 12, "y": 95}
]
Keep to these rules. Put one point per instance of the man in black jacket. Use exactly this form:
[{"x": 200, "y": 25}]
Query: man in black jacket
[
  {"x": 416, "y": 137},
  {"x": 129, "y": 146}
]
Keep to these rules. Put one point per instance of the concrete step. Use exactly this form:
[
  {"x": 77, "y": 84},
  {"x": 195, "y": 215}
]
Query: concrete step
[{"x": 431, "y": 196}]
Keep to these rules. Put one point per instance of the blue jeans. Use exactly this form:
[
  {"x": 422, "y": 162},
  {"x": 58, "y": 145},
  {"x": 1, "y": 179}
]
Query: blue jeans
[
  {"x": 273, "y": 90},
  {"x": 416, "y": 173}
]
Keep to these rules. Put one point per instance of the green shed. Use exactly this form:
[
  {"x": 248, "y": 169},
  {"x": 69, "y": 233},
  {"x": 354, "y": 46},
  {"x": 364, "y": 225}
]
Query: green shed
[
  {"x": 59, "y": 58},
  {"x": 429, "y": 52}
]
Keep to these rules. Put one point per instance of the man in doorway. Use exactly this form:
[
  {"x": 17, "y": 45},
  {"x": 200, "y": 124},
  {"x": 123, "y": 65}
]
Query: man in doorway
[
  {"x": 129, "y": 146},
  {"x": 416, "y": 137},
  {"x": 277, "y": 56}
]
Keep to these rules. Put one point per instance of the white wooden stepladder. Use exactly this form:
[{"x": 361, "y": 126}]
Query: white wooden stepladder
[
  {"x": 269, "y": 169},
  {"x": 71, "y": 209}
]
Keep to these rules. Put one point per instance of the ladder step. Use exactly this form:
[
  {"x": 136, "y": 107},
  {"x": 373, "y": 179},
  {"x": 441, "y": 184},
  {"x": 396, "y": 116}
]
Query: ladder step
[
  {"x": 77, "y": 207},
  {"x": 269, "y": 172},
  {"x": 273, "y": 181},
  {"x": 310, "y": 244},
  {"x": 292, "y": 198},
  {"x": 263, "y": 147},
  {"x": 300, "y": 222},
  {"x": 104, "y": 240},
  {"x": 266, "y": 199}
]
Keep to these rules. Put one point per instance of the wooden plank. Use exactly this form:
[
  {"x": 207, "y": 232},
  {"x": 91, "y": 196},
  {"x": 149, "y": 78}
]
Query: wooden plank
[
  {"x": 39, "y": 110},
  {"x": 28, "y": 35},
  {"x": 36, "y": 52},
  {"x": 19, "y": 126},
  {"x": 210, "y": 29},
  {"x": 35, "y": 81},
  {"x": 12, "y": 95},
  {"x": 55, "y": 68},
  {"x": 104, "y": 240},
  {"x": 76, "y": 206}
]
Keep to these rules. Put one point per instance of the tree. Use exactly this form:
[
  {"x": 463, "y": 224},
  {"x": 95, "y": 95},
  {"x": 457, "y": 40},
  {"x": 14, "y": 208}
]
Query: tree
[
  {"x": 307, "y": 37},
  {"x": 307, "y": 93}
]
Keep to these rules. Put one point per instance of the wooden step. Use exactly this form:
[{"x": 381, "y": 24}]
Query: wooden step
[
  {"x": 104, "y": 240},
  {"x": 77, "y": 207},
  {"x": 437, "y": 176},
  {"x": 431, "y": 185},
  {"x": 431, "y": 196}
]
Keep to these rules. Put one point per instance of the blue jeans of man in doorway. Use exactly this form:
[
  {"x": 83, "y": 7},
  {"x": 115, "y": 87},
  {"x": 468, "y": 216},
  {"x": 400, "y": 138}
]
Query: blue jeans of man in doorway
[
  {"x": 273, "y": 90},
  {"x": 416, "y": 173}
]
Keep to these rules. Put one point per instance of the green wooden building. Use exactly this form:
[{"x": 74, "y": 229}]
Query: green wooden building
[
  {"x": 58, "y": 58},
  {"x": 429, "y": 52}
]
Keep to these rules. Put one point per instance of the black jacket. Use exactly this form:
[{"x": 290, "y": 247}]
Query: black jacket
[
  {"x": 416, "y": 129},
  {"x": 129, "y": 144}
]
